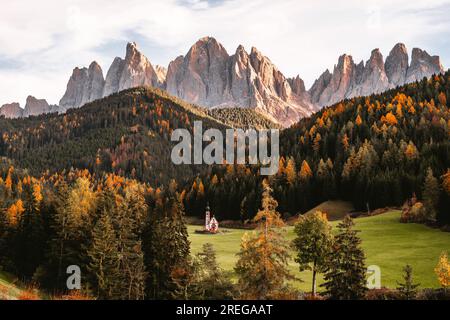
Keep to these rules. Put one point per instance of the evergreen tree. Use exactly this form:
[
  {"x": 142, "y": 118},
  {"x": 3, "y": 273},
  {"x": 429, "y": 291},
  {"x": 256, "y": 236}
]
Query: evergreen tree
[
  {"x": 212, "y": 282},
  {"x": 166, "y": 245},
  {"x": 131, "y": 268},
  {"x": 345, "y": 278},
  {"x": 430, "y": 194},
  {"x": 104, "y": 258},
  {"x": 408, "y": 288}
]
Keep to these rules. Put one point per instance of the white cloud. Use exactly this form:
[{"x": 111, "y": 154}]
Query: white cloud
[{"x": 40, "y": 42}]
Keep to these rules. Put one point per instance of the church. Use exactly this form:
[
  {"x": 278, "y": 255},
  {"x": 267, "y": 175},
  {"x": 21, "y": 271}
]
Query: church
[{"x": 211, "y": 223}]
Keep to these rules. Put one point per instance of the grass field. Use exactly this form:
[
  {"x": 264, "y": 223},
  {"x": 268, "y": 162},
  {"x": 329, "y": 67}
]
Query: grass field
[
  {"x": 386, "y": 242},
  {"x": 335, "y": 209}
]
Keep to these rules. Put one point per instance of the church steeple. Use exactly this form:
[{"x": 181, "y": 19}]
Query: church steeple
[{"x": 207, "y": 217}]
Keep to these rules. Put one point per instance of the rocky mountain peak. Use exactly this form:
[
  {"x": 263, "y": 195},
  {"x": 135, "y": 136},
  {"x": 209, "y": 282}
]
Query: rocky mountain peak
[
  {"x": 349, "y": 80},
  {"x": 34, "y": 107},
  {"x": 423, "y": 65},
  {"x": 85, "y": 85},
  {"x": 208, "y": 76},
  {"x": 11, "y": 110},
  {"x": 297, "y": 85},
  {"x": 376, "y": 59},
  {"x": 396, "y": 65},
  {"x": 161, "y": 73}
]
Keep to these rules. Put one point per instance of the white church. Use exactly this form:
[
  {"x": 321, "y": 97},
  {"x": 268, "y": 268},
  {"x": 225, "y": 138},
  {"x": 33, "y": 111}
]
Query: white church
[{"x": 211, "y": 223}]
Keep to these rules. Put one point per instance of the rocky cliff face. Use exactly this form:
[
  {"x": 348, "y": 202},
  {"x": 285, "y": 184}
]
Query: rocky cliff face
[
  {"x": 35, "y": 107},
  {"x": 396, "y": 65},
  {"x": 85, "y": 85},
  {"x": 372, "y": 79},
  {"x": 423, "y": 65},
  {"x": 210, "y": 77},
  {"x": 133, "y": 71},
  {"x": 11, "y": 110},
  {"x": 375, "y": 76}
]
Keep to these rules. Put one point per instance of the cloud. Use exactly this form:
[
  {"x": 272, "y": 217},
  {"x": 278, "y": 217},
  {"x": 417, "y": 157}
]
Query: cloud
[{"x": 41, "y": 42}]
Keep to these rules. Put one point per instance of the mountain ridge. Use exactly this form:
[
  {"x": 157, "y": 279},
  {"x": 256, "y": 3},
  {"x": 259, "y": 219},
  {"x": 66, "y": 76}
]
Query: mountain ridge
[{"x": 208, "y": 76}]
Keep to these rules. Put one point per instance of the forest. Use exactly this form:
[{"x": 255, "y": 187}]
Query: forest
[
  {"x": 95, "y": 187},
  {"x": 374, "y": 151}
]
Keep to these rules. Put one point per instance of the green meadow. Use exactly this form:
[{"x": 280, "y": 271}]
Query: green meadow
[{"x": 387, "y": 243}]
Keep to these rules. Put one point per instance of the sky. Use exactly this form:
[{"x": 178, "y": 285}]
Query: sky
[{"x": 42, "y": 41}]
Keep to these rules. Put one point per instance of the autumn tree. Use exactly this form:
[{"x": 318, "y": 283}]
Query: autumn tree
[
  {"x": 290, "y": 171},
  {"x": 358, "y": 120},
  {"x": 313, "y": 243},
  {"x": 305, "y": 171},
  {"x": 345, "y": 278},
  {"x": 442, "y": 98},
  {"x": 446, "y": 181},
  {"x": 442, "y": 270},
  {"x": 262, "y": 265}
]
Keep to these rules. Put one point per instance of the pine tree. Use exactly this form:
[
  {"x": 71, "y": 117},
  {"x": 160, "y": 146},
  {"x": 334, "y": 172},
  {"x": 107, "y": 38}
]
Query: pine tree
[
  {"x": 313, "y": 243},
  {"x": 130, "y": 284},
  {"x": 213, "y": 283},
  {"x": 345, "y": 278},
  {"x": 430, "y": 194},
  {"x": 104, "y": 257},
  {"x": 166, "y": 245},
  {"x": 408, "y": 288},
  {"x": 29, "y": 236},
  {"x": 262, "y": 266}
]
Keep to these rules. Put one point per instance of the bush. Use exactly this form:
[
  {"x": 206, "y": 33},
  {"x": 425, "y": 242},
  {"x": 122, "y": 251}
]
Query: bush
[
  {"x": 433, "y": 294},
  {"x": 416, "y": 213},
  {"x": 383, "y": 294}
]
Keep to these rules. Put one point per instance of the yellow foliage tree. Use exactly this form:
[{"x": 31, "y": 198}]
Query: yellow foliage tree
[
  {"x": 14, "y": 212},
  {"x": 8, "y": 182},
  {"x": 358, "y": 120},
  {"x": 305, "y": 171},
  {"x": 81, "y": 201},
  {"x": 399, "y": 110},
  {"x": 262, "y": 267},
  {"x": 442, "y": 270},
  {"x": 411, "y": 151},
  {"x": 391, "y": 119},
  {"x": 317, "y": 139},
  {"x": 214, "y": 180},
  {"x": 290, "y": 171},
  {"x": 446, "y": 181},
  {"x": 442, "y": 99},
  {"x": 345, "y": 142}
]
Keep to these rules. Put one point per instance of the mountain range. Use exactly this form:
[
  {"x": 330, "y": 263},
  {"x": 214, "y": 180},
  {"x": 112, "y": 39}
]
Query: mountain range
[{"x": 209, "y": 76}]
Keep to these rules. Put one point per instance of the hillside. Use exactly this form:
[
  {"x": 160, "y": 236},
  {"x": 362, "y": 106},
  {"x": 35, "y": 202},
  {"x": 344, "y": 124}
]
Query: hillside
[
  {"x": 127, "y": 133},
  {"x": 242, "y": 118},
  {"x": 372, "y": 151}
]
